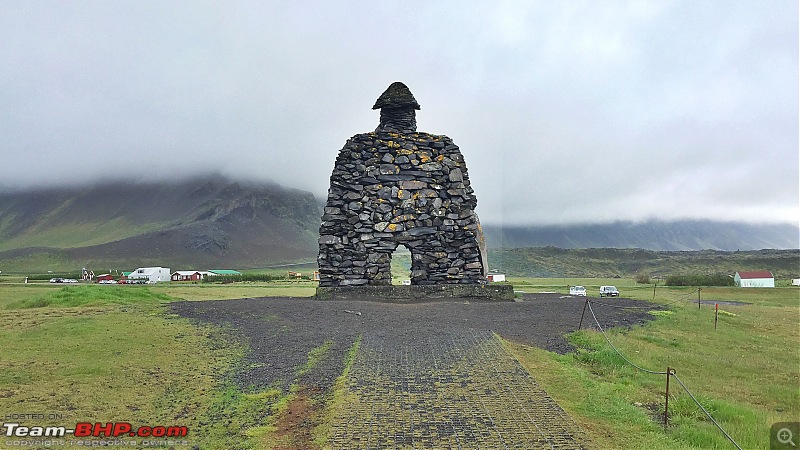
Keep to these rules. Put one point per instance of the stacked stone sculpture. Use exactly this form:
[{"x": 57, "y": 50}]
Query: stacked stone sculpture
[{"x": 396, "y": 186}]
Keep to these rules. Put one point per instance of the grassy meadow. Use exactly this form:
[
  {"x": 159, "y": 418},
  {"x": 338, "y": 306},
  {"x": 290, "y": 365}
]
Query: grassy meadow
[
  {"x": 114, "y": 353},
  {"x": 84, "y": 353},
  {"x": 106, "y": 352},
  {"x": 746, "y": 373}
]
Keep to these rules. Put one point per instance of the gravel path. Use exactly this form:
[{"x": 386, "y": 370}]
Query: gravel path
[
  {"x": 452, "y": 390},
  {"x": 442, "y": 353}
]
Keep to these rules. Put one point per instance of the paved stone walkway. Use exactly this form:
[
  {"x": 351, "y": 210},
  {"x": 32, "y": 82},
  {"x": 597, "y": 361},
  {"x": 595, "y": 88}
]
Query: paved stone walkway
[{"x": 451, "y": 390}]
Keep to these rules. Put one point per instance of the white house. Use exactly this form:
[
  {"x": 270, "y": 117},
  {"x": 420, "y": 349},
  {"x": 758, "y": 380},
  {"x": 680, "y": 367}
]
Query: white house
[
  {"x": 795, "y": 281},
  {"x": 761, "y": 278},
  {"x": 151, "y": 274}
]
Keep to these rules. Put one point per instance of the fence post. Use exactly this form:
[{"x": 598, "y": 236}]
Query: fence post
[
  {"x": 716, "y": 313},
  {"x": 666, "y": 400},
  {"x": 584, "y": 312},
  {"x": 698, "y": 298}
]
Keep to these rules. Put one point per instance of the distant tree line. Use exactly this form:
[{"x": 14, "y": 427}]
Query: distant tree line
[
  {"x": 717, "y": 279},
  {"x": 243, "y": 277},
  {"x": 47, "y": 276}
]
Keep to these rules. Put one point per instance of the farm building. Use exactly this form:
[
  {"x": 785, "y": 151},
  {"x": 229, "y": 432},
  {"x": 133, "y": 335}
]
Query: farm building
[
  {"x": 761, "y": 278},
  {"x": 150, "y": 274},
  {"x": 105, "y": 276},
  {"x": 186, "y": 275},
  {"x": 496, "y": 277},
  {"x": 227, "y": 272},
  {"x": 795, "y": 281}
]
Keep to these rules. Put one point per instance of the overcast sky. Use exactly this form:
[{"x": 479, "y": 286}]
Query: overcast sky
[{"x": 565, "y": 111}]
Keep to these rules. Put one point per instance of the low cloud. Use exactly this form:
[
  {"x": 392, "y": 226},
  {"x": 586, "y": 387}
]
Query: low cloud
[{"x": 565, "y": 112}]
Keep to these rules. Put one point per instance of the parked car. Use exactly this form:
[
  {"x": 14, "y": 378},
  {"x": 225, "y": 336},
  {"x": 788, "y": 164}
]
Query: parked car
[
  {"x": 70, "y": 280},
  {"x": 56, "y": 280},
  {"x": 577, "y": 290},
  {"x": 608, "y": 291},
  {"x": 107, "y": 282}
]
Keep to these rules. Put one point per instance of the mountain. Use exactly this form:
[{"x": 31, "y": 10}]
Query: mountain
[
  {"x": 653, "y": 235},
  {"x": 551, "y": 262},
  {"x": 213, "y": 222},
  {"x": 197, "y": 223}
]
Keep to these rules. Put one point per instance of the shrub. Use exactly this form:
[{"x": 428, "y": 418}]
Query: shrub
[
  {"x": 243, "y": 277},
  {"x": 642, "y": 278},
  {"x": 47, "y": 276},
  {"x": 718, "y": 279}
]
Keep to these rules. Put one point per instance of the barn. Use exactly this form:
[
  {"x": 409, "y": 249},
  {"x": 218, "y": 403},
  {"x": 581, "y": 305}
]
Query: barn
[{"x": 760, "y": 278}]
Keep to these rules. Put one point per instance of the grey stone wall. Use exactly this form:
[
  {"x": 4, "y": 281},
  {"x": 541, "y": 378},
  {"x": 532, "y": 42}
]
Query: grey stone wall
[
  {"x": 410, "y": 294},
  {"x": 393, "y": 187}
]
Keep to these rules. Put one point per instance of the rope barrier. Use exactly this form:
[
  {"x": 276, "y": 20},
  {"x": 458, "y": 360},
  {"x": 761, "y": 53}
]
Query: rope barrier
[
  {"x": 682, "y": 299},
  {"x": 705, "y": 412},
  {"x": 669, "y": 373},
  {"x": 615, "y": 348},
  {"x": 622, "y": 307}
]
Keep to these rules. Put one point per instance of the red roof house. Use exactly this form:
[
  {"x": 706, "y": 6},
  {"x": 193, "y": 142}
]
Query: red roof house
[{"x": 758, "y": 278}]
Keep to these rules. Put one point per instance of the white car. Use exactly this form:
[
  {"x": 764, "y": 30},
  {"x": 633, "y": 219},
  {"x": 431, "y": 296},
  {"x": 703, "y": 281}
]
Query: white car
[
  {"x": 577, "y": 290},
  {"x": 608, "y": 291}
]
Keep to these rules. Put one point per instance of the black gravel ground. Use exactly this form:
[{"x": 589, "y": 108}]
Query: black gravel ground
[{"x": 280, "y": 331}]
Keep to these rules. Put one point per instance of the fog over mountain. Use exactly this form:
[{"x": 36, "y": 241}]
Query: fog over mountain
[
  {"x": 566, "y": 113},
  {"x": 206, "y": 221},
  {"x": 213, "y": 221},
  {"x": 683, "y": 235}
]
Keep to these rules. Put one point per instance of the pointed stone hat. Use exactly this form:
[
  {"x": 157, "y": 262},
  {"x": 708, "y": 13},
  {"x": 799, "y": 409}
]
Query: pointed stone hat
[{"x": 396, "y": 96}]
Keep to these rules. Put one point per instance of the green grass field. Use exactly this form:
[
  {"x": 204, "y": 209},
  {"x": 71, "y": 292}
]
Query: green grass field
[
  {"x": 112, "y": 352},
  {"x": 124, "y": 358},
  {"x": 105, "y": 352},
  {"x": 746, "y": 372}
]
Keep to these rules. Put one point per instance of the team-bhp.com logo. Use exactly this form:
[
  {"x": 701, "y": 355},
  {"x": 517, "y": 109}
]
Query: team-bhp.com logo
[{"x": 86, "y": 429}]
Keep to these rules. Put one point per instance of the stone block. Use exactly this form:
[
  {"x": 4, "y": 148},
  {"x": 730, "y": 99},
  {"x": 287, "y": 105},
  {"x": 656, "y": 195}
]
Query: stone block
[
  {"x": 412, "y": 184},
  {"x": 455, "y": 176},
  {"x": 329, "y": 239}
]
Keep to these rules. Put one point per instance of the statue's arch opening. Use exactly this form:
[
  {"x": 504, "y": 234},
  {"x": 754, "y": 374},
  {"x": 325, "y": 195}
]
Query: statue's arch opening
[{"x": 401, "y": 265}]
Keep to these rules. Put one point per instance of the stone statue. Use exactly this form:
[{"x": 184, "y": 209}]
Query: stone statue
[{"x": 396, "y": 186}]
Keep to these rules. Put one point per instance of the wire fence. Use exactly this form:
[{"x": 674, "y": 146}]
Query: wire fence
[
  {"x": 669, "y": 373},
  {"x": 683, "y": 298}
]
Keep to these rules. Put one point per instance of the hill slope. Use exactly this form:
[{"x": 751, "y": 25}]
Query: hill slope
[
  {"x": 202, "y": 222},
  {"x": 212, "y": 222},
  {"x": 653, "y": 235},
  {"x": 550, "y": 262}
]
